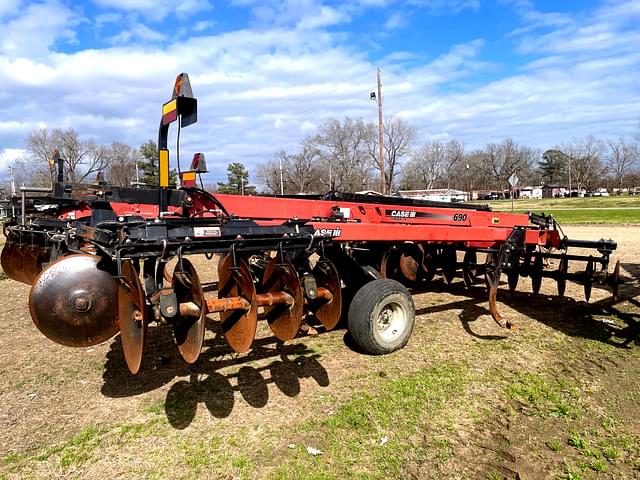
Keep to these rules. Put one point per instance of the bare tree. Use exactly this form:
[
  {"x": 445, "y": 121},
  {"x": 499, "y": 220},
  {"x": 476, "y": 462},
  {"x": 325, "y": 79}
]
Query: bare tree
[
  {"x": 621, "y": 159},
  {"x": 507, "y": 158},
  {"x": 122, "y": 159},
  {"x": 585, "y": 157},
  {"x": 426, "y": 166},
  {"x": 454, "y": 154},
  {"x": 342, "y": 150},
  {"x": 82, "y": 158}
]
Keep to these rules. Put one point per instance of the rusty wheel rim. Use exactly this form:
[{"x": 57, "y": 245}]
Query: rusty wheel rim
[
  {"x": 74, "y": 301},
  {"x": 132, "y": 313},
  {"x": 188, "y": 330},
  {"x": 327, "y": 276},
  {"x": 239, "y": 327},
  {"x": 284, "y": 320}
]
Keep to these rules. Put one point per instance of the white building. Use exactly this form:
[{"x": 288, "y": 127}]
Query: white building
[{"x": 437, "y": 194}]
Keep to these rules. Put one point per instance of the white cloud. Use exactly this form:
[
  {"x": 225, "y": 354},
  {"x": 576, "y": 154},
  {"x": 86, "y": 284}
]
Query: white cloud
[
  {"x": 157, "y": 10},
  {"x": 9, "y": 7},
  {"x": 138, "y": 32},
  {"x": 37, "y": 29},
  {"x": 8, "y": 156},
  {"x": 264, "y": 90},
  {"x": 437, "y": 7},
  {"x": 396, "y": 20}
]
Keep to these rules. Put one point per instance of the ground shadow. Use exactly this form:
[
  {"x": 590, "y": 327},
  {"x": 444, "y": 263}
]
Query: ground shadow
[
  {"x": 216, "y": 377},
  {"x": 572, "y": 317}
]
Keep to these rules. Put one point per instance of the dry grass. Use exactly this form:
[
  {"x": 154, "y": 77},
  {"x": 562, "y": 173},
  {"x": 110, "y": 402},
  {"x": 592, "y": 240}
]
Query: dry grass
[{"x": 557, "y": 398}]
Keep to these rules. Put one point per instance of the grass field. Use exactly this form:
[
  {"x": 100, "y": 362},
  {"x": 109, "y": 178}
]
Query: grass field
[{"x": 597, "y": 210}]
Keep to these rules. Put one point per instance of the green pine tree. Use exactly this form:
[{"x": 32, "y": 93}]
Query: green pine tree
[
  {"x": 237, "y": 181},
  {"x": 149, "y": 165}
]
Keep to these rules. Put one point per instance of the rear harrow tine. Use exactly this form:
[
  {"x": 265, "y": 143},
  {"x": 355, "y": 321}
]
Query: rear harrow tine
[
  {"x": 588, "y": 281},
  {"x": 536, "y": 274},
  {"x": 449, "y": 264},
  {"x": 561, "y": 276},
  {"x": 616, "y": 281},
  {"x": 469, "y": 270}
]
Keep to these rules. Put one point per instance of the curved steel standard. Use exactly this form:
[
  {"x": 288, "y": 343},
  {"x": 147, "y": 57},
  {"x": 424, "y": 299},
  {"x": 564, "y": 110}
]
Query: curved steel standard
[
  {"x": 561, "y": 275},
  {"x": 74, "y": 301},
  {"x": 239, "y": 325},
  {"x": 536, "y": 274},
  {"x": 588, "y": 280},
  {"x": 132, "y": 313},
  {"x": 284, "y": 318},
  {"x": 327, "y": 306},
  {"x": 469, "y": 267},
  {"x": 189, "y": 322}
]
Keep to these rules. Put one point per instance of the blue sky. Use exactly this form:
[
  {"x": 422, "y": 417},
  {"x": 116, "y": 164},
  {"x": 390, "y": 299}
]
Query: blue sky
[{"x": 268, "y": 72}]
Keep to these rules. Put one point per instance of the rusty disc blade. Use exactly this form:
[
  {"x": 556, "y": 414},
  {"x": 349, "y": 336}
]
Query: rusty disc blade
[
  {"x": 536, "y": 274},
  {"x": 74, "y": 301},
  {"x": 588, "y": 280},
  {"x": 32, "y": 262},
  {"x": 132, "y": 313},
  {"x": 11, "y": 259},
  {"x": 493, "y": 308},
  {"x": 408, "y": 261},
  {"x": 390, "y": 265},
  {"x": 561, "y": 275},
  {"x": 329, "y": 312},
  {"x": 235, "y": 281},
  {"x": 189, "y": 330},
  {"x": 284, "y": 320},
  {"x": 469, "y": 272},
  {"x": 428, "y": 264}
]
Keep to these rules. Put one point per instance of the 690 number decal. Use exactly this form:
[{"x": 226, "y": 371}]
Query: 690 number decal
[{"x": 459, "y": 217}]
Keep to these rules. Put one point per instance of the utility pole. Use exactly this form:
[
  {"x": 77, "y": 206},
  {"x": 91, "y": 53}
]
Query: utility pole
[
  {"x": 381, "y": 136},
  {"x": 281, "y": 182}
]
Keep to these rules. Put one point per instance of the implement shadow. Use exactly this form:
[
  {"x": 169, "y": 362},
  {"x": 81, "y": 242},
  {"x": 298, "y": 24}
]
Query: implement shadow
[
  {"x": 217, "y": 376},
  {"x": 616, "y": 322}
]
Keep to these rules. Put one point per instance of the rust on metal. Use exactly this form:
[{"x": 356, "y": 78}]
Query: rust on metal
[
  {"x": 74, "y": 301},
  {"x": 132, "y": 315},
  {"x": 188, "y": 330},
  {"x": 239, "y": 326},
  {"x": 327, "y": 307},
  {"x": 280, "y": 280}
]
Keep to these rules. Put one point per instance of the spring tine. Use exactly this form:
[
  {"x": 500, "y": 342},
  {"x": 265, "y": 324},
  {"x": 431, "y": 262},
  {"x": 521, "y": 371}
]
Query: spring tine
[
  {"x": 616, "y": 281},
  {"x": 561, "y": 275},
  {"x": 536, "y": 274},
  {"x": 588, "y": 280},
  {"x": 469, "y": 270}
]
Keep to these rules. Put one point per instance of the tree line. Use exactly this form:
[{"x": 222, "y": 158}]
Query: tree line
[{"x": 344, "y": 155}]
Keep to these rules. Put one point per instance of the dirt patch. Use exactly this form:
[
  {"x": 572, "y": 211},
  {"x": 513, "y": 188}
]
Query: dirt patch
[{"x": 557, "y": 397}]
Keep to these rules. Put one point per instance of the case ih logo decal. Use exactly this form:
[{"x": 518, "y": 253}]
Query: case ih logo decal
[
  {"x": 402, "y": 214},
  {"x": 328, "y": 232}
]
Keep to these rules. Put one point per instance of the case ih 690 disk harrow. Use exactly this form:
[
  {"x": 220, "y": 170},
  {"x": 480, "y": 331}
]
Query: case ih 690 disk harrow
[{"x": 96, "y": 257}]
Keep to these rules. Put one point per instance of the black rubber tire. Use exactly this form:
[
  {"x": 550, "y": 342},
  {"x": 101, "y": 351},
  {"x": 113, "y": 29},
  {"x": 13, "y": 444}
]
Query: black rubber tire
[{"x": 373, "y": 302}]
